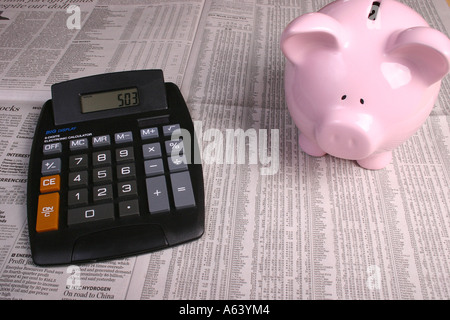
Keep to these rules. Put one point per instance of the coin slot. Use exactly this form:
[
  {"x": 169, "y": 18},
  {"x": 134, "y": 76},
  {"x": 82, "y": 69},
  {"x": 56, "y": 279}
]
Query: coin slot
[{"x": 374, "y": 10}]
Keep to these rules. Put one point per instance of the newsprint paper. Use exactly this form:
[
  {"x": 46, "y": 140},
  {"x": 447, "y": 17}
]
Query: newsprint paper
[{"x": 280, "y": 225}]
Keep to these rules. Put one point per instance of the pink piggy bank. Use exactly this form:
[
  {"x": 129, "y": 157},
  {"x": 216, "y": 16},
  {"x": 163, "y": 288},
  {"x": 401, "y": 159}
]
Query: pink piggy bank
[{"x": 361, "y": 77}]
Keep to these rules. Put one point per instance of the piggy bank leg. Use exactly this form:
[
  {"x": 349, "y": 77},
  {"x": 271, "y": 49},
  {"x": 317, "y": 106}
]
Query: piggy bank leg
[
  {"x": 310, "y": 147},
  {"x": 377, "y": 161}
]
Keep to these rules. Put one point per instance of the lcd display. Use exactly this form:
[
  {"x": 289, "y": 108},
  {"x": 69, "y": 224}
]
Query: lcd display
[{"x": 109, "y": 100}]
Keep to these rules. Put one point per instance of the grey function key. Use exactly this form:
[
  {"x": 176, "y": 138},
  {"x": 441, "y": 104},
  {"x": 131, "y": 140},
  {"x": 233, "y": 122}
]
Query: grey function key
[
  {"x": 169, "y": 129},
  {"x": 51, "y": 148},
  {"x": 51, "y": 166},
  {"x": 123, "y": 137},
  {"x": 182, "y": 190},
  {"x": 154, "y": 167},
  {"x": 78, "y": 144},
  {"x": 158, "y": 200},
  {"x": 149, "y": 133},
  {"x": 151, "y": 150},
  {"x": 101, "y": 141},
  {"x": 174, "y": 147},
  {"x": 177, "y": 163}
]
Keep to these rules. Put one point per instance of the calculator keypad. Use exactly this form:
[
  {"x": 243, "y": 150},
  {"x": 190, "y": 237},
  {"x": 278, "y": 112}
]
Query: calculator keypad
[{"x": 102, "y": 177}]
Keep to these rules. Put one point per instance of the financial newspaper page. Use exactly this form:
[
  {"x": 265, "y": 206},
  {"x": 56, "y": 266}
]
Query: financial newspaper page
[{"x": 279, "y": 224}]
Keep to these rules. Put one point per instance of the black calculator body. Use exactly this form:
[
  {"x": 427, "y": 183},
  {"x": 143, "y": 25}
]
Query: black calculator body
[{"x": 114, "y": 170}]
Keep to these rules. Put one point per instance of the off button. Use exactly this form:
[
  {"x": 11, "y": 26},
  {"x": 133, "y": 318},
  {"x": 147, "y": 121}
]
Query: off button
[{"x": 51, "y": 148}]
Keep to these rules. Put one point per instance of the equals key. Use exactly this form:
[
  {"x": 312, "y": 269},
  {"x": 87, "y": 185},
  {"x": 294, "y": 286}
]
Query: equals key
[{"x": 182, "y": 190}]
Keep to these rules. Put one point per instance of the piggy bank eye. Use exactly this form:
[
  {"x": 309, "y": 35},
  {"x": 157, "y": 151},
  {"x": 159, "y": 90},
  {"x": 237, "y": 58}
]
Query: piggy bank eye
[
  {"x": 362, "y": 101},
  {"x": 344, "y": 97}
]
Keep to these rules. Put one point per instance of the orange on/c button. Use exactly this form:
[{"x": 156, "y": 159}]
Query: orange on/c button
[
  {"x": 47, "y": 212},
  {"x": 50, "y": 184}
]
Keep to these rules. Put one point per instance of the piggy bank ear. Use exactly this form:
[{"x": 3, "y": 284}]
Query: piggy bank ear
[
  {"x": 309, "y": 32},
  {"x": 424, "y": 50}
]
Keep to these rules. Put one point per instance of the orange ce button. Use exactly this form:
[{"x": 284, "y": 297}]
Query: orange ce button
[{"x": 50, "y": 184}]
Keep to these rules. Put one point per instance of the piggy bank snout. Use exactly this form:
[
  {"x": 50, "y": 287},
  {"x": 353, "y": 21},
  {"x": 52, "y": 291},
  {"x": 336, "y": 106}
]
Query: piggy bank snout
[{"x": 348, "y": 136}]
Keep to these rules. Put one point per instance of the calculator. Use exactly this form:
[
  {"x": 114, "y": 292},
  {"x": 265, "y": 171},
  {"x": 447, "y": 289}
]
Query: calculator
[{"x": 114, "y": 170}]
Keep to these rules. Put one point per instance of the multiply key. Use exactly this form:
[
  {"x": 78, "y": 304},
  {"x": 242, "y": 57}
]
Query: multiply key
[{"x": 151, "y": 150}]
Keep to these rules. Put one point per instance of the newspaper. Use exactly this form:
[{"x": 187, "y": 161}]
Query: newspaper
[{"x": 280, "y": 224}]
